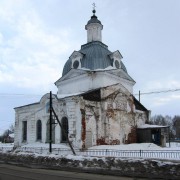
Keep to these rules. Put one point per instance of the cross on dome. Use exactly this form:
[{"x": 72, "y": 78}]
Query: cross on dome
[{"x": 94, "y": 10}]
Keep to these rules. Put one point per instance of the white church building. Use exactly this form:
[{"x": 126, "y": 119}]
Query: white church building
[{"x": 94, "y": 102}]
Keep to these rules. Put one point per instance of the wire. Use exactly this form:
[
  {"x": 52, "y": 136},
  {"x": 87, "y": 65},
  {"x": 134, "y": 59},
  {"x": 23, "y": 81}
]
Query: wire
[
  {"x": 158, "y": 92},
  {"x": 37, "y": 95},
  {"x": 9, "y": 94}
]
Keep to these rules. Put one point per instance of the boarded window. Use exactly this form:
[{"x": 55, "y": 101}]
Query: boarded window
[
  {"x": 64, "y": 122},
  {"x": 24, "y": 130},
  {"x": 39, "y": 130}
]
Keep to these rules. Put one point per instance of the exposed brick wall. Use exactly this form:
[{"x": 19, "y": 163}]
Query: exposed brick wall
[
  {"x": 101, "y": 141},
  {"x": 132, "y": 136},
  {"x": 83, "y": 133}
]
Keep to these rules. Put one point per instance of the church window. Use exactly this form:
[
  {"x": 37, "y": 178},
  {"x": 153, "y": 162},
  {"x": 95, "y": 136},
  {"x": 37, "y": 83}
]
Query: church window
[
  {"x": 39, "y": 130},
  {"x": 112, "y": 61},
  {"x": 47, "y": 107},
  {"x": 117, "y": 64},
  {"x": 64, "y": 122},
  {"x": 24, "y": 130},
  {"x": 76, "y": 64}
]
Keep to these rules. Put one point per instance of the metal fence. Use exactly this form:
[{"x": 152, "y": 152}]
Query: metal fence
[
  {"x": 6, "y": 149},
  {"x": 158, "y": 154}
]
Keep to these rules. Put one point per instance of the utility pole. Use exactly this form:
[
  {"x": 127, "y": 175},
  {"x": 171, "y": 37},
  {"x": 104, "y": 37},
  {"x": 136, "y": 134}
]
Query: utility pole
[
  {"x": 139, "y": 96},
  {"x": 63, "y": 131},
  {"x": 51, "y": 110},
  {"x": 50, "y": 123}
]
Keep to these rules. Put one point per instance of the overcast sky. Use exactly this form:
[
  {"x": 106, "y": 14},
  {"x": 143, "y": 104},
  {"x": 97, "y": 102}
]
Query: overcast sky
[{"x": 38, "y": 36}]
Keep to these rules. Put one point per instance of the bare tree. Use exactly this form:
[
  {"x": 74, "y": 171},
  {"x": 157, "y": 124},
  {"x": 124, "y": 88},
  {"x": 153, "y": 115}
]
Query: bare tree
[{"x": 11, "y": 128}]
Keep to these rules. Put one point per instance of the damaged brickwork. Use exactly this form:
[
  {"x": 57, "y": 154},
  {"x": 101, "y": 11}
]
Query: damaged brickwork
[
  {"x": 111, "y": 121},
  {"x": 101, "y": 141},
  {"x": 83, "y": 134},
  {"x": 132, "y": 136}
]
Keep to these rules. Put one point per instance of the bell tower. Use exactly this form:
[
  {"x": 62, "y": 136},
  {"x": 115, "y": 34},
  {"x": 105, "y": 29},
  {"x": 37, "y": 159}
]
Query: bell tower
[{"x": 94, "y": 28}]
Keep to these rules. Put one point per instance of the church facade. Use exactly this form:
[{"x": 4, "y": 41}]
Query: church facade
[{"x": 94, "y": 102}]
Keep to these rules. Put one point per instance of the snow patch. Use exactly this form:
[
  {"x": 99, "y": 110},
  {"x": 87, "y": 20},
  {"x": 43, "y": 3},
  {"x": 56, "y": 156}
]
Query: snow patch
[
  {"x": 141, "y": 146},
  {"x": 43, "y": 145},
  {"x": 147, "y": 126},
  {"x": 108, "y": 68},
  {"x": 7, "y": 145},
  {"x": 61, "y": 96}
]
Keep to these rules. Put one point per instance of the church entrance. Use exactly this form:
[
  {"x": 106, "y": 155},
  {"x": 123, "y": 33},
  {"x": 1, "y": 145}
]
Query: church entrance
[
  {"x": 156, "y": 136},
  {"x": 65, "y": 127}
]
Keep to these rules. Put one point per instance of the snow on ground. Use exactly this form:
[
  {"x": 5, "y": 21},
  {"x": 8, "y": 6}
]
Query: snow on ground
[
  {"x": 141, "y": 146},
  {"x": 46, "y": 145},
  {"x": 6, "y": 144},
  {"x": 149, "y": 150},
  {"x": 173, "y": 146}
]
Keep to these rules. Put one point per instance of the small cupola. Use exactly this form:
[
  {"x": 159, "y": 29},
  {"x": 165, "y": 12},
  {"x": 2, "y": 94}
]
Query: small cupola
[
  {"x": 75, "y": 58},
  {"x": 116, "y": 59},
  {"x": 94, "y": 28}
]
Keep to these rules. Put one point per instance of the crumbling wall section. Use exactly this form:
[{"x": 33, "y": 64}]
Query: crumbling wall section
[
  {"x": 120, "y": 116},
  {"x": 83, "y": 131},
  {"x": 91, "y": 123},
  {"x": 111, "y": 121}
]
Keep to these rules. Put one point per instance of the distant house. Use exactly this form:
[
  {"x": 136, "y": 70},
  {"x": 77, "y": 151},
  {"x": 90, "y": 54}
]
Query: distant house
[
  {"x": 9, "y": 138},
  {"x": 156, "y": 134},
  {"x": 94, "y": 102}
]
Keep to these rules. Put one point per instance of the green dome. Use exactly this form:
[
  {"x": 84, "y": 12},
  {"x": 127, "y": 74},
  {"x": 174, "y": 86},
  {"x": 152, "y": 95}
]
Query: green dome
[{"x": 96, "y": 56}]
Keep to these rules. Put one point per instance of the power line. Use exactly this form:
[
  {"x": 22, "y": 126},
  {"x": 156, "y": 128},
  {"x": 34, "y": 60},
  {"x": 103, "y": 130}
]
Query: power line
[
  {"x": 158, "y": 92},
  {"x": 37, "y": 95},
  {"x": 29, "y": 95}
]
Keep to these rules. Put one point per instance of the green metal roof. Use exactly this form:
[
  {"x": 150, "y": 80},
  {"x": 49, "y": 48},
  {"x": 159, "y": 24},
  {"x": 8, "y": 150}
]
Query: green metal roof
[{"x": 96, "y": 56}]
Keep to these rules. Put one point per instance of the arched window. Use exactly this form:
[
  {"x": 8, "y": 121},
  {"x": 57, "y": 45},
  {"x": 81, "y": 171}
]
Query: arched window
[
  {"x": 39, "y": 130},
  {"x": 64, "y": 122}
]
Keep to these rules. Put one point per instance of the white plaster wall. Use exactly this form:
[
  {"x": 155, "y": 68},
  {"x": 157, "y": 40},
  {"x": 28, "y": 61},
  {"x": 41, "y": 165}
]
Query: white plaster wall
[
  {"x": 94, "y": 32},
  {"x": 32, "y": 114},
  {"x": 89, "y": 81},
  {"x": 24, "y": 114},
  {"x": 74, "y": 120},
  {"x": 112, "y": 125}
]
